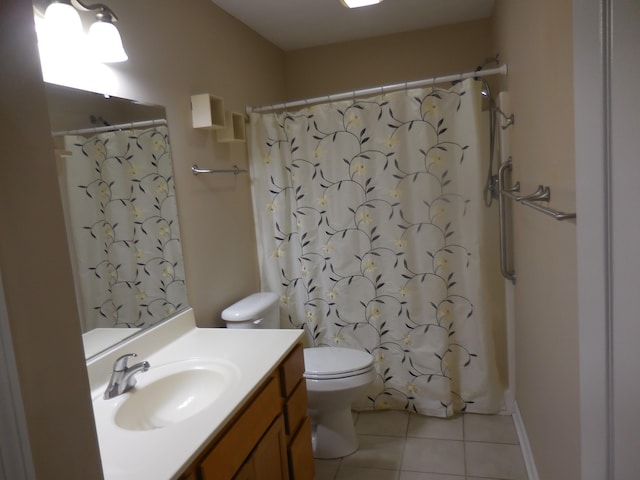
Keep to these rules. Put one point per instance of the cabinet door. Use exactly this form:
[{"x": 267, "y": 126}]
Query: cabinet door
[
  {"x": 234, "y": 447},
  {"x": 270, "y": 456},
  {"x": 189, "y": 476},
  {"x": 246, "y": 472},
  {"x": 301, "y": 454}
]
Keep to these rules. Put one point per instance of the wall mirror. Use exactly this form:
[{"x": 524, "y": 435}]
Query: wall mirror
[{"x": 117, "y": 188}]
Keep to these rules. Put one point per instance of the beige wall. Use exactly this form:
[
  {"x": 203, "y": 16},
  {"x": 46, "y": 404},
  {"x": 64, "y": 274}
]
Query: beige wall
[
  {"x": 175, "y": 52},
  {"x": 35, "y": 265},
  {"x": 387, "y": 60},
  {"x": 535, "y": 39}
]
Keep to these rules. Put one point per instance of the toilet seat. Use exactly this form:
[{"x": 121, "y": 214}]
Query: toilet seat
[{"x": 326, "y": 363}]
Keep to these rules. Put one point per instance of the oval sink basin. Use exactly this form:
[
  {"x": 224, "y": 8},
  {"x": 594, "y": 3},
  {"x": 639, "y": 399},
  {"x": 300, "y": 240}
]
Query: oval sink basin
[{"x": 172, "y": 393}]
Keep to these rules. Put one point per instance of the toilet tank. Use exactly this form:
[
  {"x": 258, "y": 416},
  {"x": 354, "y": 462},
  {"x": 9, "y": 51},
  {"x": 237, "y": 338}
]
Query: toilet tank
[{"x": 259, "y": 310}]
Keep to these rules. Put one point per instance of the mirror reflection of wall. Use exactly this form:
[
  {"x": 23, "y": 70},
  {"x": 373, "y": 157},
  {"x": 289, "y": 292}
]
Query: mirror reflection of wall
[{"x": 117, "y": 188}]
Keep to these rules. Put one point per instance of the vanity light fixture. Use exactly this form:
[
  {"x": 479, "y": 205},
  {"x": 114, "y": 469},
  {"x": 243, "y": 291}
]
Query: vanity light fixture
[
  {"x": 105, "y": 39},
  {"x": 359, "y": 3},
  {"x": 63, "y": 22}
]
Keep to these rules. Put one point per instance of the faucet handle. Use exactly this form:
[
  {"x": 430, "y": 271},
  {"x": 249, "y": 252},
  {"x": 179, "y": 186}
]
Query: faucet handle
[{"x": 120, "y": 365}]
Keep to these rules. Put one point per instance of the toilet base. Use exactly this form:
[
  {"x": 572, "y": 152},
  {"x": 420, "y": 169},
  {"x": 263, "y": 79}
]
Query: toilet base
[{"x": 333, "y": 433}]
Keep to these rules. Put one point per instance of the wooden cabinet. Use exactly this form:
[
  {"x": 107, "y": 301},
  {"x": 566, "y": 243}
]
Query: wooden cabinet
[
  {"x": 269, "y": 459},
  {"x": 297, "y": 424},
  {"x": 270, "y": 439}
]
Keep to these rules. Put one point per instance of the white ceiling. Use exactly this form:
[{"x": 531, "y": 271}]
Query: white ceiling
[{"x": 295, "y": 24}]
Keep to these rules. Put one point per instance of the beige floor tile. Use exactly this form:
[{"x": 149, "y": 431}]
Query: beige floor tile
[
  {"x": 478, "y": 478},
  {"x": 428, "y": 476},
  {"x": 387, "y": 422},
  {"x": 361, "y": 473},
  {"x": 490, "y": 428},
  {"x": 326, "y": 469},
  {"x": 493, "y": 460},
  {"x": 377, "y": 451},
  {"x": 434, "y": 456},
  {"x": 434, "y": 427}
]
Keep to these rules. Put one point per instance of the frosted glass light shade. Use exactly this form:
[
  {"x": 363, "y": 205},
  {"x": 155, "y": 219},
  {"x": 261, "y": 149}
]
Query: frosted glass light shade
[
  {"x": 62, "y": 24},
  {"x": 106, "y": 44},
  {"x": 359, "y": 3}
]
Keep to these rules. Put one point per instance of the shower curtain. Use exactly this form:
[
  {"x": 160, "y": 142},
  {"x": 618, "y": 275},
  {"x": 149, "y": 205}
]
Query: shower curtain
[
  {"x": 371, "y": 227},
  {"x": 123, "y": 225}
]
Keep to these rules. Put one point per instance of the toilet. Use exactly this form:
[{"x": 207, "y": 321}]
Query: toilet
[{"x": 335, "y": 377}]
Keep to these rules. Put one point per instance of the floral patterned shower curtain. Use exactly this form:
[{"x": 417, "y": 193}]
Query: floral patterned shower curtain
[
  {"x": 372, "y": 228},
  {"x": 123, "y": 225}
]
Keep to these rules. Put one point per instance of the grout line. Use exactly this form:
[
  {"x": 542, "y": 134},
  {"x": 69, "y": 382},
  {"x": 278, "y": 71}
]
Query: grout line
[
  {"x": 493, "y": 442},
  {"x": 519, "y": 429},
  {"x": 464, "y": 447}
]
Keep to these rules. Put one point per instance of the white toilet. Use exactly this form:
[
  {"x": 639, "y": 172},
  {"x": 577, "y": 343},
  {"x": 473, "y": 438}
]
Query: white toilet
[{"x": 335, "y": 377}]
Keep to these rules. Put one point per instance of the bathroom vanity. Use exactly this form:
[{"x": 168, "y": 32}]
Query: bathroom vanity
[
  {"x": 270, "y": 438},
  {"x": 215, "y": 404}
]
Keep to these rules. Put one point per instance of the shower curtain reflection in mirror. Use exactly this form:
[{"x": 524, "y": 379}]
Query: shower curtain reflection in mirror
[
  {"x": 372, "y": 228},
  {"x": 124, "y": 235}
]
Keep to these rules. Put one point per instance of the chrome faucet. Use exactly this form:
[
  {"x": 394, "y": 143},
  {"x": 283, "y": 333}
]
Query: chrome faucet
[{"x": 123, "y": 377}]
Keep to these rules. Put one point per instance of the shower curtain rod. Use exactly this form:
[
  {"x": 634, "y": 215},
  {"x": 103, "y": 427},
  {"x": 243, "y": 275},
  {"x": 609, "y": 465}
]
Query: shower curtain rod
[
  {"x": 501, "y": 70},
  {"x": 111, "y": 128}
]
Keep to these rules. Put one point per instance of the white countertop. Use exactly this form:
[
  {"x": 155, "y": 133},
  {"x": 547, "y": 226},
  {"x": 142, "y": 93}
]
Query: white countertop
[
  {"x": 163, "y": 453},
  {"x": 99, "y": 339}
]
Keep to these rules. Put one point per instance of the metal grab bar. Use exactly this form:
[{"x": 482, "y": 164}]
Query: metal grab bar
[
  {"x": 195, "y": 169},
  {"x": 507, "y": 273},
  {"x": 541, "y": 193},
  {"x": 558, "y": 215}
]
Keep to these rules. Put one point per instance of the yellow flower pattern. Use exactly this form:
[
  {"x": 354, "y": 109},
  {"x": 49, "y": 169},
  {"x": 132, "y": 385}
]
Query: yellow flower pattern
[
  {"x": 126, "y": 209},
  {"x": 369, "y": 198},
  {"x": 365, "y": 218},
  {"x": 359, "y": 169}
]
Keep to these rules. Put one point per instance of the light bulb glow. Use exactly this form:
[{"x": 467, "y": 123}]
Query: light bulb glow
[
  {"x": 106, "y": 43},
  {"x": 62, "y": 25},
  {"x": 359, "y": 3}
]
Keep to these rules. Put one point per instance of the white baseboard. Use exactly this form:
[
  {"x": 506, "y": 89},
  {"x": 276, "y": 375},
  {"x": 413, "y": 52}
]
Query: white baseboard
[{"x": 527, "y": 454}]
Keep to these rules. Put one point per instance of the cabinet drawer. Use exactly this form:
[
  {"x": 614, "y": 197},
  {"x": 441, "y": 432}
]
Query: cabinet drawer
[
  {"x": 301, "y": 465},
  {"x": 295, "y": 410},
  {"x": 228, "y": 455},
  {"x": 292, "y": 370}
]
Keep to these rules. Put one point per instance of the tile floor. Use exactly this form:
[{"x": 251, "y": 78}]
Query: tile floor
[{"x": 398, "y": 445}]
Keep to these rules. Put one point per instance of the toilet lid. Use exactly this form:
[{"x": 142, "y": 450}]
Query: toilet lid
[{"x": 333, "y": 362}]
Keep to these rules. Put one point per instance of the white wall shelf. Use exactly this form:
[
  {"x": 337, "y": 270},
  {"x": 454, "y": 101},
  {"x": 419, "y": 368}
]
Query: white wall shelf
[
  {"x": 234, "y": 129},
  {"x": 207, "y": 111}
]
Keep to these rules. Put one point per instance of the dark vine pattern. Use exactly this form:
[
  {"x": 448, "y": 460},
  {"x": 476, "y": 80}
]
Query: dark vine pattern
[
  {"x": 132, "y": 273},
  {"x": 362, "y": 221}
]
